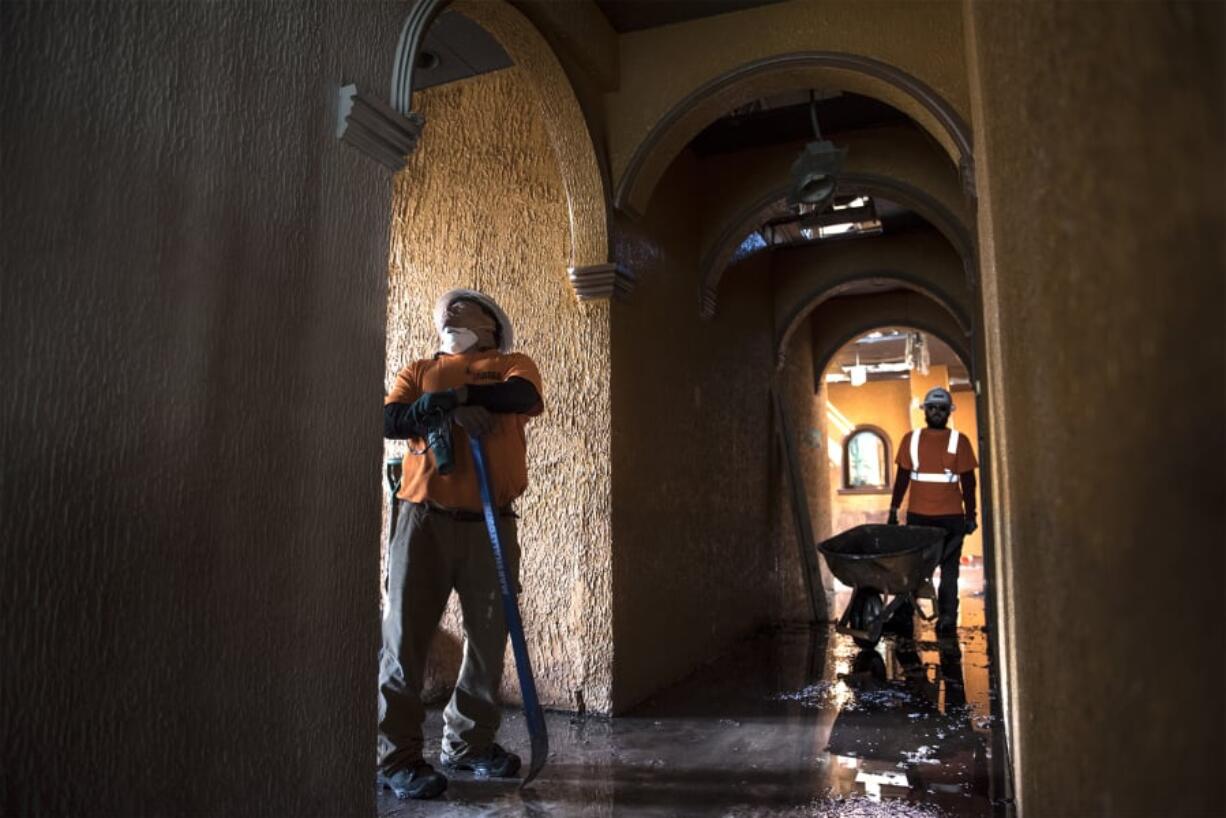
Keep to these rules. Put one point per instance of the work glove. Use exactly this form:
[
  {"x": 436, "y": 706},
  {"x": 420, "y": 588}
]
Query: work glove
[
  {"x": 893, "y": 518},
  {"x": 436, "y": 402},
  {"x": 971, "y": 525}
]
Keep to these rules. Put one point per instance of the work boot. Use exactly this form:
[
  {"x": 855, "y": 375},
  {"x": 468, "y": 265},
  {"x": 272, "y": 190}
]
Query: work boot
[
  {"x": 492, "y": 762},
  {"x": 419, "y": 781}
]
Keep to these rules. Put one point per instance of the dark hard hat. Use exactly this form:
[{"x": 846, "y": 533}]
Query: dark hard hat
[{"x": 937, "y": 396}]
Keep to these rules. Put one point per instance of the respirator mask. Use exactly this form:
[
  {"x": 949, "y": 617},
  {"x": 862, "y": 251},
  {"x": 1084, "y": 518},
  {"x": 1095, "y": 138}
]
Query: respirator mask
[{"x": 456, "y": 340}]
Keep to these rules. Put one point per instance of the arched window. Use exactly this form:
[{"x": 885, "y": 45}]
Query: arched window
[{"x": 866, "y": 460}]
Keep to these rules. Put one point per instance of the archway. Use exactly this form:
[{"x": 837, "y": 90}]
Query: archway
[
  {"x": 502, "y": 195},
  {"x": 570, "y": 139},
  {"x": 916, "y": 275},
  {"x": 816, "y": 69},
  {"x": 873, "y": 379},
  {"x": 773, "y": 204},
  {"x": 831, "y": 336},
  {"x": 823, "y": 324}
]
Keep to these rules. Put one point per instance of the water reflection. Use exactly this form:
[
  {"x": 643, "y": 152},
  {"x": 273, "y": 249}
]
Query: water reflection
[
  {"x": 796, "y": 722},
  {"x": 907, "y": 732}
]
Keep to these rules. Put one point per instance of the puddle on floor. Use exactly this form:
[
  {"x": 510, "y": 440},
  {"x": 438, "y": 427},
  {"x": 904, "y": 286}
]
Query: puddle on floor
[{"x": 795, "y": 722}]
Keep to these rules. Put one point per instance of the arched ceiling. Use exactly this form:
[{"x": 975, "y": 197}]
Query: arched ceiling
[
  {"x": 898, "y": 163},
  {"x": 917, "y": 261}
]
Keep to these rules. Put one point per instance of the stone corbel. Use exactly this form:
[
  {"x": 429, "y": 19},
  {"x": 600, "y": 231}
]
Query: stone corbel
[
  {"x": 596, "y": 282},
  {"x": 376, "y": 129}
]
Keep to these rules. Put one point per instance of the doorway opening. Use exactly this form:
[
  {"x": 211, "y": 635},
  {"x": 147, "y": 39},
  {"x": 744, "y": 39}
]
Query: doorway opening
[{"x": 871, "y": 390}]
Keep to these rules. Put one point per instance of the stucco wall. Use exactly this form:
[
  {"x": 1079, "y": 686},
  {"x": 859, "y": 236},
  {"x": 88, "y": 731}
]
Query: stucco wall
[
  {"x": 1099, "y": 137},
  {"x": 482, "y": 205},
  {"x": 192, "y": 340},
  {"x": 691, "y": 437}
]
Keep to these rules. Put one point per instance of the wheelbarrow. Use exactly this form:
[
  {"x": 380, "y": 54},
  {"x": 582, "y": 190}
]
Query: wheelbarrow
[{"x": 887, "y": 566}]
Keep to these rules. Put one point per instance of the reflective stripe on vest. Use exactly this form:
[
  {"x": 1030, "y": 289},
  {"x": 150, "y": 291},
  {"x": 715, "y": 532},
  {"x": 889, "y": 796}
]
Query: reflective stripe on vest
[{"x": 946, "y": 476}]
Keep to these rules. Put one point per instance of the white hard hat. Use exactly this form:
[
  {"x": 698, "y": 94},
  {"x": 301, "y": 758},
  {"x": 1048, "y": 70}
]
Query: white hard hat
[
  {"x": 938, "y": 396},
  {"x": 506, "y": 335}
]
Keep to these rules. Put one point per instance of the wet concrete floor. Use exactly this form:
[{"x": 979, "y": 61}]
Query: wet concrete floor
[{"x": 794, "y": 722}]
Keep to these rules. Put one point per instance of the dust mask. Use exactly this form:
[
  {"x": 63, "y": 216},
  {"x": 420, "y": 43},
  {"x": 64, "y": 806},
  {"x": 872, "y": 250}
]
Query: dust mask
[{"x": 457, "y": 339}]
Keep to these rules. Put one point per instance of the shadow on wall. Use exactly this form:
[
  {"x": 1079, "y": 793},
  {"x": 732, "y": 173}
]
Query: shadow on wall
[{"x": 694, "y": 567}]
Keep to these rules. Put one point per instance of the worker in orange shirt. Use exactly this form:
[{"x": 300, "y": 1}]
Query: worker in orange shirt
[
  {"x": 440, "y": 542},
  {"x": 938, "y": 465}
]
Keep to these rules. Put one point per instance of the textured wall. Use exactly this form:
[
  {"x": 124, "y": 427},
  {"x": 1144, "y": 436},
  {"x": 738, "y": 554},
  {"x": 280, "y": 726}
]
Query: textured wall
[
  {"x": 693, "y": 567},
  {"x": 1099, "y": 137},
  {"x": 482, "y": 205},
  {"x": 192, "y": 340},
  {"x": 563, "y": 119}
]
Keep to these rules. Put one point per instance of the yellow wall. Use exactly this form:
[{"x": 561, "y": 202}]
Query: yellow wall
[{"x": 877, "y": 403}]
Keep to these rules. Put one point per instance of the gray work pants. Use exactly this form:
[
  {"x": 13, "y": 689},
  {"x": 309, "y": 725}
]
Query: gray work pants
[{"x": 432, "y": 553}]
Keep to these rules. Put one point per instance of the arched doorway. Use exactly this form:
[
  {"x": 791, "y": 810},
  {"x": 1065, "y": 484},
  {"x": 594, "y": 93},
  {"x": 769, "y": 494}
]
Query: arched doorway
[
  {"x": 504, "y": 195},
  {"x": 771, "y": 75}
]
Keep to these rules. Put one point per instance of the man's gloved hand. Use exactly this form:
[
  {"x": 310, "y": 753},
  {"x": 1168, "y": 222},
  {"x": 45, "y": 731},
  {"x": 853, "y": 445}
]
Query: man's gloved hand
[
  {"x": 971, "y": 525},
  {"x": 893, "y": 518},
  {"x": 432, "y": 402},
  {"x": 476, "y": 420}
]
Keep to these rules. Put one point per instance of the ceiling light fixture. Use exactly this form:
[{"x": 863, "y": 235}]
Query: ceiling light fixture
[
  {"x": 859, "y": 373},
  {"x": 815, "y": 172}
]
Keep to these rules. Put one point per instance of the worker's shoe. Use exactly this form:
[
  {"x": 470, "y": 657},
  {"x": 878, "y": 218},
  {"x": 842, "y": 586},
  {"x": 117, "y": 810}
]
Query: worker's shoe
[
  {"x": 419, "y": 781},
  {"x": 492, "y": 762}
]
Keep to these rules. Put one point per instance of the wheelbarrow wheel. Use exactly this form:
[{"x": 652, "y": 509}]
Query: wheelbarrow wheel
[{"x": 866, "y": 607}]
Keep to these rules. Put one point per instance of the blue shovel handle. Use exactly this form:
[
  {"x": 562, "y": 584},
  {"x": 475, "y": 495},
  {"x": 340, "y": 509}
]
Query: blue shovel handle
[{"x": 533, "y": 713}]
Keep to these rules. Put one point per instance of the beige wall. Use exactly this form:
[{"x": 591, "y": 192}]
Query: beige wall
[
  {"x": 482, "y": 204},
  {"x": 1099, "y": 133},
  {"x": 192, "y": 340},
  {"x": 693, "y": 566}
]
